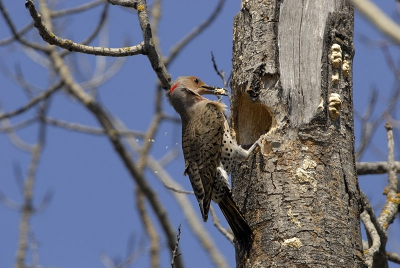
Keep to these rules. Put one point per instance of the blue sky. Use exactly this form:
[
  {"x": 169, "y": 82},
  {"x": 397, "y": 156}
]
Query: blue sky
[{"x": 92, "y": 210}]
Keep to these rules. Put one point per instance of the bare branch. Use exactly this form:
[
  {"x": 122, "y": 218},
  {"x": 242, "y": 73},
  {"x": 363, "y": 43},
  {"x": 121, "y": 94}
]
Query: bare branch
[
  {"x": 124, "y": 3},
  {"x": 101, "y": 78},
  {"x": 99, "y": 26},
  {"x": 14, "y": 37},
  {"x": 367, "y": 207},
  {"x": 133, "y": 254},
  {"x": 169, "y": 156},
  {"x": 105, "y": 120},
  {"x": 88, "y": 129},
  {"x": 52, "y": 39},
  {"x": 394, "y": 257},
  {"x": 75, "y": 10},
  {"x": 147, "y": 143},
  {"x": 37, "y": 57},
  {"x": 5, "y": 124},
  {"x": 150, "y": 230},
  {"x": 217, "y": 224},
  {"x": 389, "y": 210},
  {"x": 18, "y": 76},
  {"x": 96, "y": 31},
  {"x": 370, "y": 126},
  {"x": 195, "y": 32},
  {"x": 173, "y": 119},
  {"x": 191, "y": 216},
  {"x": 17, "y": 126},
  {"x": 44, "y": 203},
  {"x": 8, "y": 202},
  {"x": 373, "y": 234},
  {"x": 17, "y": 35},
  {"x": 150, "y": 49},
  {"x": 42, "y": 96},
  {"x": 33, "y": 245},
  {"x": 155, "y": 13},
  {"x": 395, "y": 123},
  {"x": 27, "y": 207},
  {"x": 219, "y": 73},
  {"x": 175, "y": 253},
  {"x": 173, "y": 188},
  {"x": 378, "y": 18},
  {"x": 366, "y": 168}
]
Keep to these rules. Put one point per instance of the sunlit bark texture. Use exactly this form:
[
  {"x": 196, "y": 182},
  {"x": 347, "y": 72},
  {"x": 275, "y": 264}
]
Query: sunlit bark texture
[{"x": 292, "y": 80}]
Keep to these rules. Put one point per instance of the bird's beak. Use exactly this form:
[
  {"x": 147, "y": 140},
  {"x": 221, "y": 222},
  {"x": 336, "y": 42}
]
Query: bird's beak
[{"x": 214, "y": 90}]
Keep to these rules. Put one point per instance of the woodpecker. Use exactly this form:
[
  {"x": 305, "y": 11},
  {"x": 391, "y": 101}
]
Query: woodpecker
[{"x": 209, "y": 150}]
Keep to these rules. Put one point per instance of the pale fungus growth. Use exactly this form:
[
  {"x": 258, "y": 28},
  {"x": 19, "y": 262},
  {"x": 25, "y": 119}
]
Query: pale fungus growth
[
  {"x": 335, "y": 77},
  {"x": 292, "y": 242},
  {"x": 336, "y": 55},
  {"x": 335, "y": 105},
  {"x": 346, "y": 67}
]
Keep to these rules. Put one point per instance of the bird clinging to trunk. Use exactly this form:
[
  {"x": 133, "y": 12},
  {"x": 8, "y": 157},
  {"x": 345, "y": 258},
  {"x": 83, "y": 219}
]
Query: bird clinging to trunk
[{"x": 209, "y": 150}]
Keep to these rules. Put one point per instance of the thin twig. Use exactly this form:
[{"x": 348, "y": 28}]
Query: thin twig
[
  {"x": 100, "y": 24},
  {"x": 27, "y": 208},
  {"x": 220, "y": 73},
  {"x": 217, "y": 224},
  {"x": 176, "y": 190},
  {"x": 5, "y": 124},
  {"x": 75, "y": 10},
  {"x": 148, "y": 139},
  {"x": 21, "y": 32},
  {"x": 150, "y": 230},
  {"x": 133, "y": 254},
  {"x": 195, "y": 32},
  {"x": 370, "y": 126},
  {"x": 169, "y": 156},
  {"x": 42, "y": 96},
  {"x": 175, "y": 253},
  {"x": 101, "y": 78},
  {"x": 173, "y": 119},
  {"x": 96, "y": 31},
  {"x": 15, "y": 127},
  {"x": 88, "y": 129},
  {"x": 8, "y": 202},
  {"x": 17, "y": 35}
]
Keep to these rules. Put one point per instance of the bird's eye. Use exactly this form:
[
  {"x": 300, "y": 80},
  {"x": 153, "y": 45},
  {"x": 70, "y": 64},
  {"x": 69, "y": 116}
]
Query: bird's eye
[{"x": 196, "y": 80}]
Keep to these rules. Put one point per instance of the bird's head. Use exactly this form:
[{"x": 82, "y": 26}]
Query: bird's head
[
  {"x": 194, "y": 84},
  {"x": 187, "y": 90}
]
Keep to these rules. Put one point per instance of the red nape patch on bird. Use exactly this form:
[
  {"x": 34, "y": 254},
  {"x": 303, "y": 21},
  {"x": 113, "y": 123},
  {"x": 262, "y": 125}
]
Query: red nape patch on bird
[{"x": 173, "y": 87}]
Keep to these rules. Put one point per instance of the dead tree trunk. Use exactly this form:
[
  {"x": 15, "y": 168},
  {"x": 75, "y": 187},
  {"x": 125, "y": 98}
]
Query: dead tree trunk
[{"x": 292, "y": 78}]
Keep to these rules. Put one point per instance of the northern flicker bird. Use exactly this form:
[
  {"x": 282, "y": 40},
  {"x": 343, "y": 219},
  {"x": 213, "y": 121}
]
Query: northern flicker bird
[{"x": 209, "y": 150}]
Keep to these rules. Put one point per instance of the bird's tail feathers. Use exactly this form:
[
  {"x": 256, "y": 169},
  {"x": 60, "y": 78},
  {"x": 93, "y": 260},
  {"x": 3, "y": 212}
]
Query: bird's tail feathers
[{"x": 236, "y": 221}]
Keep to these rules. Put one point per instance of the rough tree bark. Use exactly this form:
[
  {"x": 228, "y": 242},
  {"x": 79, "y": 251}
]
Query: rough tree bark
[{"x": 292, "y": 79}]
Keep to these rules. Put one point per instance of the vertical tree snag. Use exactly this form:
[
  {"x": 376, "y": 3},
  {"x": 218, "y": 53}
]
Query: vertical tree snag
[{"x": 292, "y": 80}]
